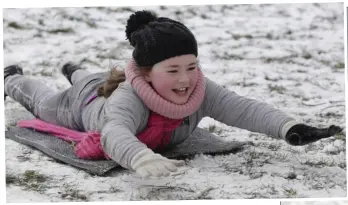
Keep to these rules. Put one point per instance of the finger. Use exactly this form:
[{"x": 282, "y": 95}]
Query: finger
[
  {"x": 165, "y": 173},
  {"x": 334, "y": 130},
  {"x": 154, "y": 170},
  {"x": 177, "y": 163},
  {"x": 162, "y": 169},
  {"x": 328, "y": 132},
  {"x": 171, "y": 167},
  {"x": 143, "y": 172}
]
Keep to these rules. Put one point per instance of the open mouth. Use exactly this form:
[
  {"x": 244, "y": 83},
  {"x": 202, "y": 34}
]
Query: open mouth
[{"x": 181, "y": 91}]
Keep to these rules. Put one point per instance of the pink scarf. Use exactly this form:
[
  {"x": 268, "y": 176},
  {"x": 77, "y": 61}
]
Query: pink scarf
[{"x": 159, "y": 127}]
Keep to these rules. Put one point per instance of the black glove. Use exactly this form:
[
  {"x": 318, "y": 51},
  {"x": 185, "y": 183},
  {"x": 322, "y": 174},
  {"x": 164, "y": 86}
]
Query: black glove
[{"x": 302, "y": 134}]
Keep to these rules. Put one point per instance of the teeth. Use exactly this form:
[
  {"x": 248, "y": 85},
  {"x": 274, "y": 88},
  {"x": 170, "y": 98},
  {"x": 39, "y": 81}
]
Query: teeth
[{"x": 182, "y": 89}]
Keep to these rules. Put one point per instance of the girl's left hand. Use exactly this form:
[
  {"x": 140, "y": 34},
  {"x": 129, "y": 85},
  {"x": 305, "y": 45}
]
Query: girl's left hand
[{"x": 302, "y": 134}]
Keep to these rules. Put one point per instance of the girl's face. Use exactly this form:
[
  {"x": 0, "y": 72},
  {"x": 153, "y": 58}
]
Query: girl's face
[{"x": 175, "y": 78}]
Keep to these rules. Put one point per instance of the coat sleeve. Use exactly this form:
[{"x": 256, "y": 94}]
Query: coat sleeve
[
  {"x": 125, "y": 113},
  {"x": 232, "y": 109}
]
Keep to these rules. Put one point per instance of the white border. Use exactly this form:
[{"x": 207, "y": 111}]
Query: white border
[
  {"x": 92, "y": 3},
  {"x": 345, "y": 73}
]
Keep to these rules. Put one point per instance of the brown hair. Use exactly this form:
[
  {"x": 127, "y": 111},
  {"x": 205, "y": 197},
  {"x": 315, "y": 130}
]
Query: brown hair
[{"x": 116, "y": 77}]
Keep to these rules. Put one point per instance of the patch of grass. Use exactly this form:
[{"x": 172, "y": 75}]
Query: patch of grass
[
  {"x": 204, "y": 16},
  {"x": 291, "y": 175},
  {"x": 192, "y": 11},
  {"x": 256, "y": 175},
  {"x": 11, "y": 124},
  {"x": 331, "y": 115},
  {"x": 46, "y": 73},
  {"x": 73, "y": 194},
  {"x": 296, "y": 95},
  {"x": 277, "y": 88},
  {"x": 115, "y": 189},
  {"x": 274, "y": 146},
  {"x": 281, "y": 156},
  {"x": 290, "y": 192},
  {"x": 245, "y": 84},
  {"x": 250, "y": 156},
  {"x": 44, "y": 63},
  {"x": 15, "y": 25},
  {"x": 270, "y": 189},
  {"x": 212, "y": 128},
  {"x": 269, "y": 79},
  {"x": 128, "y": 9},
  {"x": 107, "y": 56},
  {"x": 320, "y": 163},
  {"x": 306, "y": 55},
  {"x": 253, "y": 161},
  {"x": 339, "y": 66},
  {"x": 91, "y": 24},
  {"x": 255, "y": 195},
  {"x": 288, "y": 32},
  {"x": 11, "y": 179},
  {"x": 270, "y": 59},
  {"x": 310, "y": 147},
  {"x": 269, "y": 36},
  {"x": 204, "y": 194},
  {"x": 227, "y": 56},
  {"x": 23, "y": 158},
  {"x": 178, "y": 12},
  {"x": 33, "y": 176},
  {"x": 239, "y": 36},
  {"x": 340, "y": 136},
  {"x": 342, "y": 165},
  {"x": 30, "y": 180},
  {"x": 60, "y": 30},
  {"x": 41, "y": 22},
  {"x": 231, "y": 169},
  {"x": 155, "y": 191},
  {"x": 163, "y": 8}
]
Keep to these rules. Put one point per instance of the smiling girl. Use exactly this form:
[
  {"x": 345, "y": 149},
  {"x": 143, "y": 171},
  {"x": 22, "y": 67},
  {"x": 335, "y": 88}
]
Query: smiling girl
[{"x": 155, "y": 104}]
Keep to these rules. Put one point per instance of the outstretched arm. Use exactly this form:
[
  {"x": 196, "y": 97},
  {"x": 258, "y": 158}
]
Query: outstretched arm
[{"x": 232, "y": 109}]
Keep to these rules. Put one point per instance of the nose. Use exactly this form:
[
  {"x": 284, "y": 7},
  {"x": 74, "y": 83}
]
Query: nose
[{"x": 183, "y": 78}]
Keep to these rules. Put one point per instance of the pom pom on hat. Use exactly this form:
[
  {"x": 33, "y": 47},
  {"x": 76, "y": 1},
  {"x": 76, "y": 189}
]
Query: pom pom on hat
[{"x": 137, "y": 21}]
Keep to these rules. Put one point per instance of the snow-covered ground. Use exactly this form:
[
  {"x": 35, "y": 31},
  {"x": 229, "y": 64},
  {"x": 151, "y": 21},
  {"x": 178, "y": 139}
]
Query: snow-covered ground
[{"x": 288, "y": 55}]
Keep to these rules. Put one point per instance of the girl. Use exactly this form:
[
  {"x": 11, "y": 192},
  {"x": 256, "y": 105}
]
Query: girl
[{"x": 155, "y": 103}]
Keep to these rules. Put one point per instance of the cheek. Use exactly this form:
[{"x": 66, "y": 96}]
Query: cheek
[
  {"x": 161, "y": 81},
  {"x": 194, "y": 77}
]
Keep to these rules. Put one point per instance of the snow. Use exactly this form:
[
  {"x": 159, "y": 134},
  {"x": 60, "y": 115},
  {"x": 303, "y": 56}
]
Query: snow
[{"x": 287, "y": 55}]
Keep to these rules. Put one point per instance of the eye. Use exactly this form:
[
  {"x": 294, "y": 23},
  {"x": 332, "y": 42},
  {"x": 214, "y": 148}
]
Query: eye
[
  {"x": 172, "y": 71},
  {"x": 192, "y": 68}
]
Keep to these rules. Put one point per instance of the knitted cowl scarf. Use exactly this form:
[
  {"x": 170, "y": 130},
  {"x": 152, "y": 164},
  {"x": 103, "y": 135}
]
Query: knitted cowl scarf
[{"x": 158, "y": 104}]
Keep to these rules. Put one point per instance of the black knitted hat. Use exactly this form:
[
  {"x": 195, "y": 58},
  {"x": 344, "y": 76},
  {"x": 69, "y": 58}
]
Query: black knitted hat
[{"x": 156, "y": 39}]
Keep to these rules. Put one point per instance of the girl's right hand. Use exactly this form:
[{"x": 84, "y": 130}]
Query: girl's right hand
[
  {"x": 146, "y": 163},
  {"x": 302, "y": 134}
]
